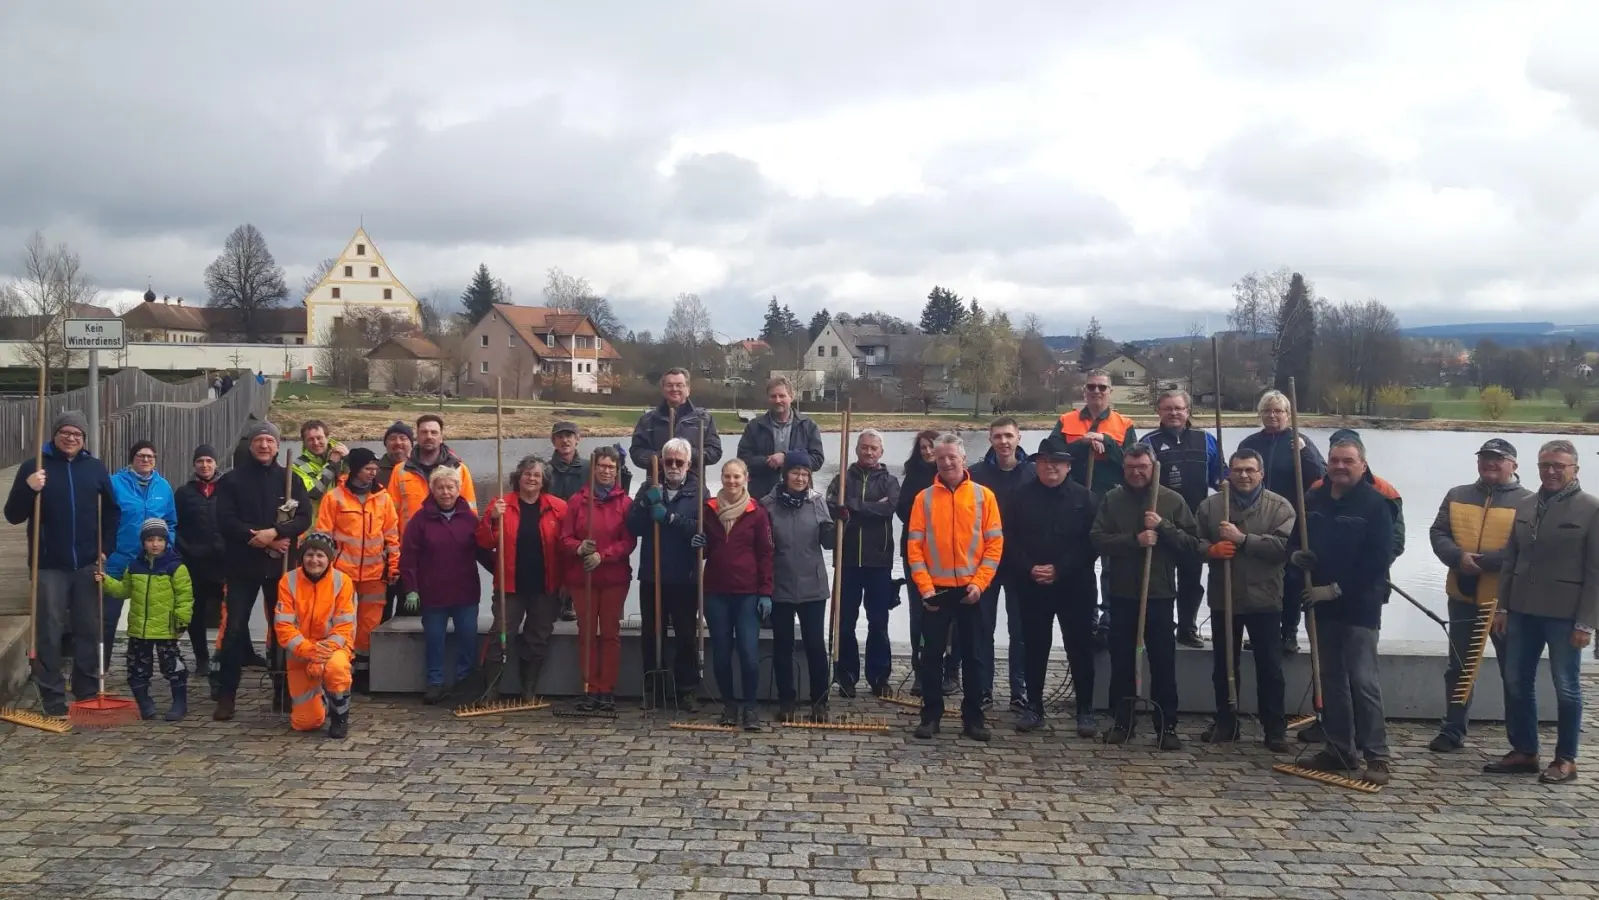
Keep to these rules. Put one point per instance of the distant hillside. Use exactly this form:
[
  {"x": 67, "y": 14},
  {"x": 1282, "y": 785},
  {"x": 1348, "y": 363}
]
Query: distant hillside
[
  {"x": 1062, "y": 341},
  {"x": 1510, "y": 334}
]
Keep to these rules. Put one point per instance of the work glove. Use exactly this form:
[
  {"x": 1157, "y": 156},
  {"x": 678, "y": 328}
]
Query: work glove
[
  {"x": 652, "y": 495},
  {"x": 591, "y": 562},
  {"x": 315, "y": 670},
  {"x": 697, "y": 542},
  {"x": 324, "y": 652},
  {"x": 1320, "y": 593},
  {"x": 585, "y": 548},
  {"x": 413, "y": 602},
  {"x": 1222, "y": 550},
  {"x": 1303, "y": 559},
  {"x": 763, "y": 606},
  {"x": 659, "y": 514},
  {"x": 839, "y": 513}
]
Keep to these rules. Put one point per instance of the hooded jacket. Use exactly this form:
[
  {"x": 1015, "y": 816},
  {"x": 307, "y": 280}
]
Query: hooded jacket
[
  {"x": 872, "y": 498},
  {"x": 799, "y": 536},
  {"x": 612, "y": 540},
  {"x": 67, "y": 541},
  {"x": 248, "y": 498},
  {"x": 679, "y": 562},
  {"x": 138, "y": 502},
  {"x": 199, "y": 542},
  {"x": 1475, "y": 518},
  {"x": 439, "y": 556},
  {"x": 1259, "y": 562},
  {"x": 1049, "y": 526},
  {"x": 760, "y": 441},
  {"x": 552, "y": 510},
  {"x": 1115, "y": 535},
  {"x": 1353, "y": 539},
  {"x": 162, "y": 595},
  {"x": 1277, "y": 455},
  {"x": 655, "y": 428}
]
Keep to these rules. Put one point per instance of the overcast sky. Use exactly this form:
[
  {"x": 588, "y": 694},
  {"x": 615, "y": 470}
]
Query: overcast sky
[{"x": 1127, "y": 160}]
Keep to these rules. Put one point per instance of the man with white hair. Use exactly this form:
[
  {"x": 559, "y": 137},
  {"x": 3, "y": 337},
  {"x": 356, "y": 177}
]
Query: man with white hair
[
  {"x": 871, "y": 495},
  {"x": 954, "y": 544},
  {"x": 673, "y": 507}
]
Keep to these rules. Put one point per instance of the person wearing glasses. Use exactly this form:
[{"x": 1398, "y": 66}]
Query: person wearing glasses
[
  {"x": 142, "y": 493},
  {"x": 66, "y": 487},
  {"x": 1274, "y": 443},
  {"x": 1548, "y": 599}
]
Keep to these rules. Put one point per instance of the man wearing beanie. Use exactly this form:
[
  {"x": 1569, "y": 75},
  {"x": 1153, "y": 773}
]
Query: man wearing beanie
[
  {"x": 360, "y": 518},
  {"x": 62, "y": 494},
  {"x": 200, "y": 546},
  {"x": 259, "y": 525},
  {"x": 397, "y": 444},
  {"x": 315, "y": 624}
]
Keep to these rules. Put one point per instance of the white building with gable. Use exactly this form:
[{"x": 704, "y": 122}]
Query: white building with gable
[{"x": 360, "y": 279}]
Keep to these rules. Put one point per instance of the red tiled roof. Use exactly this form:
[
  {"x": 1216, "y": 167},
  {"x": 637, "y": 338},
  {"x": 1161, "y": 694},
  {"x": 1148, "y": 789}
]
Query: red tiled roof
[{"x": 535, "y": 323}]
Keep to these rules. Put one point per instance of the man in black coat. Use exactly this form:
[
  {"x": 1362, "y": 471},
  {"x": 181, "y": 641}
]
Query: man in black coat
[
  {"x": 675, "y": 507},
  {"x": 1052, "y": 560},
  {"x": 674, "y": 417},
  {"x": 768, "y": 437},
  {"x": 871, "y": 494},
  {"x": 1003, "y": 470},
  {"x": 259, "y": 524},
  {"x": 66, "y": 488},
  {"x": 200, "y": 546}
]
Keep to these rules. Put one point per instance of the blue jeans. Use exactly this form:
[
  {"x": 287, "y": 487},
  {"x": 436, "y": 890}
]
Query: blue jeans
[
  {"x": 1015, "y": 653},
  {"x": 735, "y": 626},
  {"x": 435, "y": 623},
  {"x": 875, "y": 586},
  {"x": 1526, "y": 636}
]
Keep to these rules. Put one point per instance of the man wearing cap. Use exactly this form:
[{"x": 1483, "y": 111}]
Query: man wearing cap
[
  {"x": 314, "y": 621},
  {"x": 1469, "y": 536},
  {"x": 317, "y": 466},
  {"x": 200, "y": 546},
  {"x": 397, "y": 444},
  {"x": 258, "y": 525},
  {"x": 65, "y": 489}
]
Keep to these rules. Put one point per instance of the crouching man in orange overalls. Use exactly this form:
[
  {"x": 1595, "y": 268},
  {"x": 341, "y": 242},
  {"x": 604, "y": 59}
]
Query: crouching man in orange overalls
[{"x": 315, "y": 623}]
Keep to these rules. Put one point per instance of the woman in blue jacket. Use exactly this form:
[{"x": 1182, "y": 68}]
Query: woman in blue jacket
[{"x": 141, "y": 494}]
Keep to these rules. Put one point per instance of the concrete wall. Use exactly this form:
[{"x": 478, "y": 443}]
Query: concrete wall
[{"x": 155, "y": 356}]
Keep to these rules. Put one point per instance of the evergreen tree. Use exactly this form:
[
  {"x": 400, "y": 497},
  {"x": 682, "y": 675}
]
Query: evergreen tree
[
  {"x": 775, "y": 328},
  {"x": 1296, "y": 338},
  {"x": 1092, "y": 345},
  {"x": 791, "y": 324},
  {"x": 818, "y": 322},
  {"x": 943, "y": 313},
  {"x": 480, "y": 296}
]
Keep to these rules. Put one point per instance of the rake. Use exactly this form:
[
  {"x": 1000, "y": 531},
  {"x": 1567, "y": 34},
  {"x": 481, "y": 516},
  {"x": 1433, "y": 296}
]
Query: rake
[
  {"x": 1480, "y": 636},
  {"x": 1304, "y": 543},
  {"x": 660, "y": 683},
  {"x": 278, "y": 658},
  {"x": 1139, "y": 703},
  {"x": 848, "y": 720},
  {"x": 24, "y": 717},
  {"x": 1343, "y": 781},
  {"x": 484, "y": 705},
  {"x": 102, "y": 710}
]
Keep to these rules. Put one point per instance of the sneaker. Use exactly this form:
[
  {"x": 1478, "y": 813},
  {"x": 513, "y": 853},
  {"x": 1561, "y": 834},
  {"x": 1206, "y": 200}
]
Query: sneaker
[
  {"x": 1170, "y": 741},
  {"x": 1277, "y": 743},
  {"x": 1118, "y": 734},
  {"x": 1445, "y": 743},
  {"x": 729, "y": 717},
  {"x": 1029, "y": 721},
  {"x": 605, "y": 703},
  {"x": 846, "y": 690},
  {"x": 988, "y": 703},
  {"x": 586, "y": 703},
  {"x": 977, "y": 731},
  {"x": 819, "y": 711},
  {"x": 751, "y": 719},
  {"x": 1019, "y": 705},
  {"x": 1377, "y": 772},
  {"x": 434, "y": 694},
  {"x": 926, "y": 730},
  {"x": 1313, "y": 734},
  {"x": 568, "y": 612},
  {"x": 1087, "y": 726},
  {"x": 1220, "y": 732},
  {"x": 1189, "y": 637},
  {"x": 1290, "y": 646},
  {"x": 951, "y": 685},
  {"x": 879, "y": 687},
  {"x": 916, "y": 689},
  {"x": 785, "y": 711},
  {"x": 1328, "y": 761}
]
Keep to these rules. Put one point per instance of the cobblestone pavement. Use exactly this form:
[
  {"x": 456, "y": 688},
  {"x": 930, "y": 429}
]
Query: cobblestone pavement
[{"x": 417, "y": 803}]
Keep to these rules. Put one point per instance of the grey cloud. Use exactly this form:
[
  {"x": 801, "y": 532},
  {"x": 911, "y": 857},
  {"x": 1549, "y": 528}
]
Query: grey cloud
[{"x": 1269, "y": 166}]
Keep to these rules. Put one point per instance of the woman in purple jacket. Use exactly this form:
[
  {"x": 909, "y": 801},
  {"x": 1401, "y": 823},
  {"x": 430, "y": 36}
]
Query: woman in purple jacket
[{"x": 438, "y": 570}]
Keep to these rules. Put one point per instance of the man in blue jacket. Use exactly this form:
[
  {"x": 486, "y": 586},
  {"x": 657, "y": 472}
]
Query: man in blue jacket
[
  {"x": 67, "y": 488},
  {"x": 1351, "y": 535},
  {"x": 674, "y": 507},
  {"x": 1004, "y": 470},
  {"x": 1191, "y": 466}
]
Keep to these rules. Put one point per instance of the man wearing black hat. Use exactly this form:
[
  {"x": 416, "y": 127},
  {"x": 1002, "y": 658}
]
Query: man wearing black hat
[
  {"x": 397, "y": 444},
  {"x": 259, "y": 525},
  {"x": 200, "y": 546},
  {"x": 65, "y": 489},
  {"x": 1051, "y": 559},
  {"x": 1469, "y": 536}
]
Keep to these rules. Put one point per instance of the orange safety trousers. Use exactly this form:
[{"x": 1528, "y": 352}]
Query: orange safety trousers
[
  {"x": 315, "y": 618},
  {"x": 371, "y": 599}
]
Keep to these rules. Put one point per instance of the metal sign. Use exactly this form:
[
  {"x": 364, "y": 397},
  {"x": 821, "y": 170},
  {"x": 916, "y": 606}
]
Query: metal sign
[{"x": 93, "y": 334}]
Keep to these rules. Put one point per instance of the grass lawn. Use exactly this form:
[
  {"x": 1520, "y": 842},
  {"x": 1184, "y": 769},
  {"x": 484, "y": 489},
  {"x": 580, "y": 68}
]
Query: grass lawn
[{"x": 1549, "y": 406}]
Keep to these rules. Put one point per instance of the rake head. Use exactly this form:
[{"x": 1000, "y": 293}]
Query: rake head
[
  {"x": 705, "y": 726},
  {"x": 660, "y": 694},
  {"x": 103, "y": 712},
  {"x": 819, "y": 718},
  {"x": 1474, "y": 653},
  {"x": 1353, "y": 784},
  {"x": 1300, "y": 721},
  {"x": 30, "y": 719},
  {"x": 500, "y": 707}
]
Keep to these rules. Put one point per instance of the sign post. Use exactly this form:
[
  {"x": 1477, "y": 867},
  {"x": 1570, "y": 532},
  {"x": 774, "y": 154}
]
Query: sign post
[{"x": 93, "y": 335}]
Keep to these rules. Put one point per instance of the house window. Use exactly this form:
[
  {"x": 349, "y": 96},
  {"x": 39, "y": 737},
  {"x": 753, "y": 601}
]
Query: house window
[
  {"x": 349, "y": 271},
  {"x": 483, "y": 367},
  {"x": 374, "y": 271},
  {"x": 821, "y": 351},
  {"x": 483, "y": 341},
  {"x": 388, "y": 293},
  {"x": 835, "y": 351},
  {"x": 335, "y": 293},
  {"x": 580, "y": 342},
  {"x": 360, "y": 249},
  {"x": 299, "y": 340}
]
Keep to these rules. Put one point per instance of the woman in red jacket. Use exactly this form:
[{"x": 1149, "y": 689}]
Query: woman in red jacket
[
  {"x": 533, "y": 564},
  {"x": 738, "y": 589},
  {"x": 598, "y": 572}
]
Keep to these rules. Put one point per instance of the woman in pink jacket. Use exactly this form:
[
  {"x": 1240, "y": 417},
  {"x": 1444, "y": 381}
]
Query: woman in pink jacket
[{"x": 599, "y": 574}]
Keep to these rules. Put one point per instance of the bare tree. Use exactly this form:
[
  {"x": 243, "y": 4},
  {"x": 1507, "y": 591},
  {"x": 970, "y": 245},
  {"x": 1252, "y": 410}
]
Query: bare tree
[
  {"x": 315, "y": 278},
  {"x": 688, "y": 327},
  {"x": 988, "y": 351},
  {"x": 246, "y": 278},
  {"x": 1359, "y": 345},
  {"x": 404, "y": 376},
  {"x": 837, "y": 378},
  {"x": 1257, "y": 302},
  {"x": 52, "y": 284}
]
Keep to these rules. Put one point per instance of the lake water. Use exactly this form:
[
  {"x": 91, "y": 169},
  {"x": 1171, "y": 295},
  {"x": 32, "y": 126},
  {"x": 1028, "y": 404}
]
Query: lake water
[{"x": 1423, "y": 465}]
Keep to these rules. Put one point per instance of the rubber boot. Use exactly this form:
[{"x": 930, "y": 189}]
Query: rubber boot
[
  {"x": 338, "y": 715},
  {"x": 180, "y": 703},
  {"x": 146, "y": 705}
]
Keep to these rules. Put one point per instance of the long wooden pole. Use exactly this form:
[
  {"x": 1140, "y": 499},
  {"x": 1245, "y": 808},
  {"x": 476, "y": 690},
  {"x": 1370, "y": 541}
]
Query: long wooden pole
[
  {"x": 591, "y": 615},
  {"x": 1226, "y": 564},
  {"x": 1304, "y": 544},
  {"x": 660, "y": 627},
  {"x": 499, "y": 525},
  {"x": 838, "y": 543},
  {"x": 1143, "y": 595},
  {"x": 699, "y": 559},
  {"x": 33, "y": 549}
]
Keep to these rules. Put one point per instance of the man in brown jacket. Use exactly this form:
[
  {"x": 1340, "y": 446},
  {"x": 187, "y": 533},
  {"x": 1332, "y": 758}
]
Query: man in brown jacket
[
  {"x": 1548, "y": 598},
  {"x": 1247, "y": 529}
]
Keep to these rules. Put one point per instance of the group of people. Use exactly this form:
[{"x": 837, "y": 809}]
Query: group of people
[{"x": 1291, "y": 531}]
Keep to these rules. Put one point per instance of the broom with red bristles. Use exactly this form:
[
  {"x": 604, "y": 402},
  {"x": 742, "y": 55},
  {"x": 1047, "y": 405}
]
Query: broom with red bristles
[{"x": 103, "y": 710}]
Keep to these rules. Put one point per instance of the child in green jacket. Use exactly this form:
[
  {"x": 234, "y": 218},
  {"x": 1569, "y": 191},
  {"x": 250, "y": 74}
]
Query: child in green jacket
[{"x": 163, "y": 602}]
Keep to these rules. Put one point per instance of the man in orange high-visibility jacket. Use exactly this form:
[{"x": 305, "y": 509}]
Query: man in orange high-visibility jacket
[
  {"x": 953, "y": 547},
  {"x": 361, "y": 517},
  {"x": 408, "y": 484},
  {"x": 315, "y": 624}
]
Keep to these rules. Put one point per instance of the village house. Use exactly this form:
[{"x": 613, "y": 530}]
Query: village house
[
  {"x": 536, "y": 347},
  {"x": 172, "y": 321},
  {"x": 843, "y": 353},
  {"x": 403, "y": 363},
  {"x": 359, "y": 283}
]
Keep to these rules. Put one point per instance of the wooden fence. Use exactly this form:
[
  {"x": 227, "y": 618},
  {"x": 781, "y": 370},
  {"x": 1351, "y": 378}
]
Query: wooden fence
[{"x": 135, "y": 407}]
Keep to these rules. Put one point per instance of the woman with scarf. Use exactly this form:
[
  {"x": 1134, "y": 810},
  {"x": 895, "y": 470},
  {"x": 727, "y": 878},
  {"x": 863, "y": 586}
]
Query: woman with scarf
[
  {"x": 738, "y": 590},
  {"x": 200, "y": 548},
  {"x": 599, "y": 548},
  {"x": 916, "y": 477},
  {"x": 801, "y": 528},
  {"x": 365, "y": 526},
  {"x": 141, "y": 494},
  {"x": 438, "y": 569}
]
